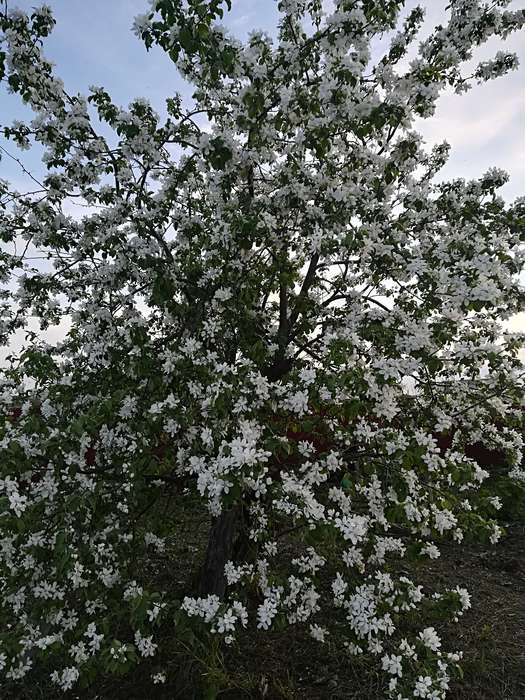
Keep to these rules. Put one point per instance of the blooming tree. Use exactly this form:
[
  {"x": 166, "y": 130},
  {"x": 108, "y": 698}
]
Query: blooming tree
[{"x": 272, "y": 307}]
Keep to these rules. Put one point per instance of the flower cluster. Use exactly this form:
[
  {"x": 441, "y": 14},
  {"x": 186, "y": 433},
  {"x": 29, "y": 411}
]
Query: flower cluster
[{"x": 271, "y": 309}]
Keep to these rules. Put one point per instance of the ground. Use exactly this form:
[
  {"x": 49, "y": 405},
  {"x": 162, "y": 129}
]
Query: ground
[
  {"x": 492, "y": 635},
  {"x": 289, "y": 665}
]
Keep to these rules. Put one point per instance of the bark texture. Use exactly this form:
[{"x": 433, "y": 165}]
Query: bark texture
[{"x": 222, "y": 540}]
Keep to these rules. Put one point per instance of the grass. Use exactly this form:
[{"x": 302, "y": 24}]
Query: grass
[
  {"x": 491, "y": 634},
  {"x": 289, "y": 665}
]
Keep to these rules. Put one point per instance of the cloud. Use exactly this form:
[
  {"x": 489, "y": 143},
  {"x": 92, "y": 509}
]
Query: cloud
[{"x": 92, "y": 43}]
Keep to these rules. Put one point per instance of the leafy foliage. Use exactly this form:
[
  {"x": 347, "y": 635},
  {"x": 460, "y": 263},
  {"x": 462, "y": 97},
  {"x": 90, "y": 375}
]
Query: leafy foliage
[{"x": 272, "y": 309}]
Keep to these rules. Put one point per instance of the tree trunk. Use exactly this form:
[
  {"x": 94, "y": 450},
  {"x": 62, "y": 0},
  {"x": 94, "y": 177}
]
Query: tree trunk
[
  {"x": 221, "y": 548},
  {"x": 228, "y": 539}
]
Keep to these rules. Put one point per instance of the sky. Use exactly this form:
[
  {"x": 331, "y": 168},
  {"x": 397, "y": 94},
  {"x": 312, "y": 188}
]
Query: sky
[{"x": 93, "y": 44}]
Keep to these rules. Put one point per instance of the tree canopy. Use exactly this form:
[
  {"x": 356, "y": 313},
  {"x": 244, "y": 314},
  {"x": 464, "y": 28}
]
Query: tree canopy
[{"x": 273, "y": 309}]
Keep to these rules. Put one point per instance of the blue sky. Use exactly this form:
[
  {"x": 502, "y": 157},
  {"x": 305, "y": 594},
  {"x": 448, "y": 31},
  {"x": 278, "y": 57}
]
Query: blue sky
[{"x": 93, "y": 44}]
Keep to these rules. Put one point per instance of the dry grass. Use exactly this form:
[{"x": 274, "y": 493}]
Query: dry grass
[{"x": 289, "y": 665}]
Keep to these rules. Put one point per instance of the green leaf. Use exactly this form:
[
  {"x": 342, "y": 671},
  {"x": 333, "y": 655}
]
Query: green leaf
[
  {"x": 203, "y": 31},
  {"x": 220, "y": 154},
  {"x": 211, "y": 691},
  {"x": 187, "y": 40},
  {"x": 228, "y": 58},
  {"x": 346, "y": 482}
]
